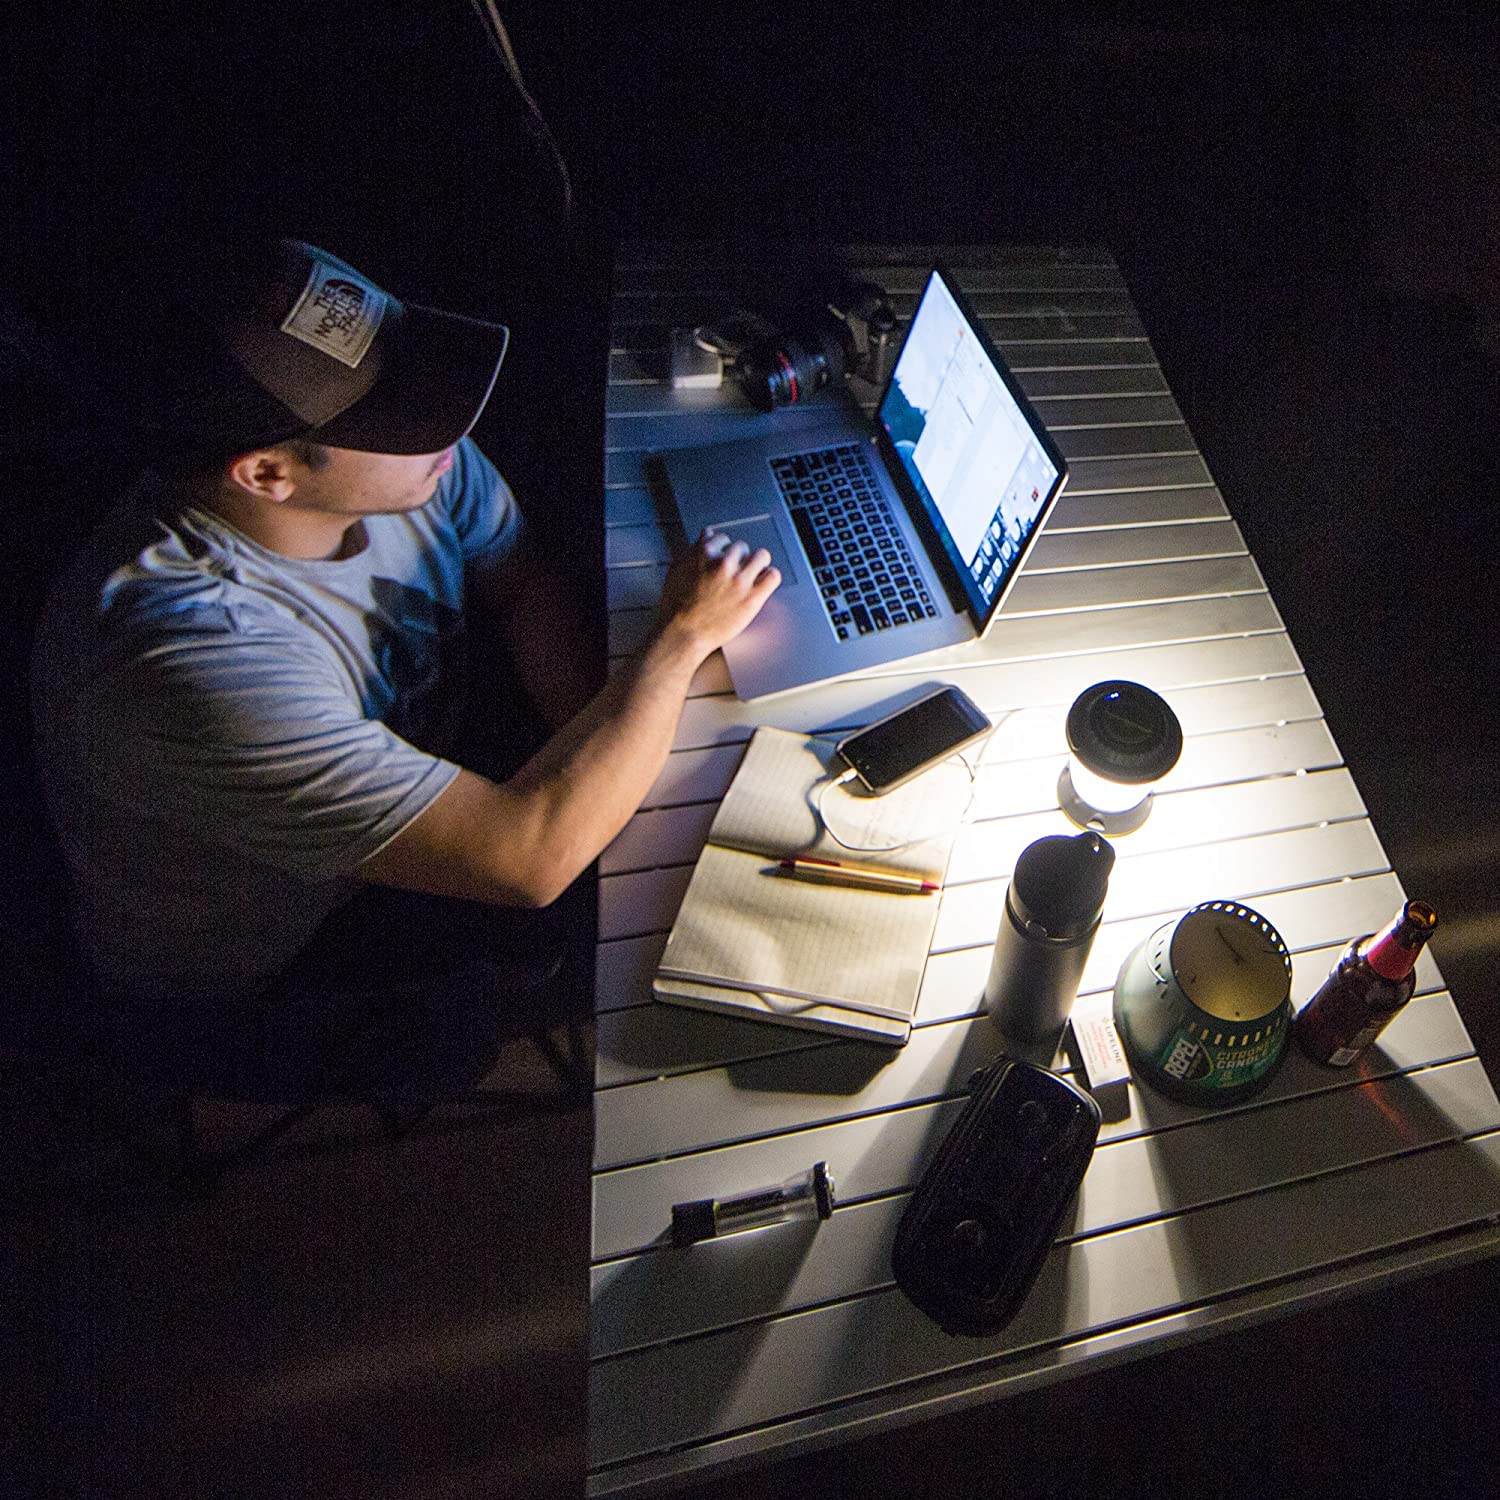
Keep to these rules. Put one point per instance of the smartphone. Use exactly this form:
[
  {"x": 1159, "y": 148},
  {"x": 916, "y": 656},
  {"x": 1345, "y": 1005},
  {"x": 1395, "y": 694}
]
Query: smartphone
[{"x": 892, "y": 750}]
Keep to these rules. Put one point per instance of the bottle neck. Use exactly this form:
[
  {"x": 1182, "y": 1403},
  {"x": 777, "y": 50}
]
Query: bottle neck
[{"x": 1392, "y": 952}]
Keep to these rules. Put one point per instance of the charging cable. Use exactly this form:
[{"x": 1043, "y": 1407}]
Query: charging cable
[
  {"x": 827, "y": 785},
  {"x": 822, "y": 789}
]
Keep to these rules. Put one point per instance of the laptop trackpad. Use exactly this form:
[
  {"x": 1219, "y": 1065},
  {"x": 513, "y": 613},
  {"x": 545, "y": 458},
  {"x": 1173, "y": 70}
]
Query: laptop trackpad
[{"x": 762, "y": 531}]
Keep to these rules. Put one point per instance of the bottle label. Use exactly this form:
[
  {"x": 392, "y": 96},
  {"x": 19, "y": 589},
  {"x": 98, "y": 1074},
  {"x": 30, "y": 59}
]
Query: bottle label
[
  {"x": 1342, "y": 1056},
  {"x": 1392, "y": 952},
  {"x": 1388, "y": 958}
]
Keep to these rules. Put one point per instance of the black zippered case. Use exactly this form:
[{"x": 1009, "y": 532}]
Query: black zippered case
[{"x": 981, "y": 1220}]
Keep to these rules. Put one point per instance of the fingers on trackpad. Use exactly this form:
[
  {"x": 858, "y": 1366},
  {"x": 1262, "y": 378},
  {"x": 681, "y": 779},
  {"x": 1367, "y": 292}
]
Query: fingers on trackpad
[{"x": 762, "y": 531}]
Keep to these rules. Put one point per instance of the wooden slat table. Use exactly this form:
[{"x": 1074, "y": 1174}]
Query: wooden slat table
[{"x": 1189, "y": 1221}]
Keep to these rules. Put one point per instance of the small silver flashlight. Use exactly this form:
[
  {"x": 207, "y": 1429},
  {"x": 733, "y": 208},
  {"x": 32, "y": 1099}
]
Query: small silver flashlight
[{"x": 806, "y": 1194}]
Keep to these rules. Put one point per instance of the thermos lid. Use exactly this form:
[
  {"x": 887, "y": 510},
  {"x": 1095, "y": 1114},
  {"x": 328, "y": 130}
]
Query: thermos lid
[
  {"x": 1060, "y": 882},
  {"x": 1125, "y": 732}
]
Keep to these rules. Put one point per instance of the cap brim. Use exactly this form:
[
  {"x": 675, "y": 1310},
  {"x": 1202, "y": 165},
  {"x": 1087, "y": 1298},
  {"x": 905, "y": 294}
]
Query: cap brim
[{"x": 436, "y": 373}]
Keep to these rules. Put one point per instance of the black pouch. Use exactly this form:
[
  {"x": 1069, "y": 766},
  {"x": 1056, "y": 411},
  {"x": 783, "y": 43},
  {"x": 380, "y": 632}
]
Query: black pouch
[{"x": 974, "y": 1235}]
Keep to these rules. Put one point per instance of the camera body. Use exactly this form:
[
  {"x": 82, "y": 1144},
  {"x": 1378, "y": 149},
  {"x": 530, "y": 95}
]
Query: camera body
[{"x": 853, "y": 334}]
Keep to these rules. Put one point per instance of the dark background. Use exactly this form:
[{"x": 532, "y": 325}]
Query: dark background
[{"x": 1304, "y": 209}]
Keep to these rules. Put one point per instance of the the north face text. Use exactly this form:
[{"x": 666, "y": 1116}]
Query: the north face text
[{"x": 337, "y": 315}]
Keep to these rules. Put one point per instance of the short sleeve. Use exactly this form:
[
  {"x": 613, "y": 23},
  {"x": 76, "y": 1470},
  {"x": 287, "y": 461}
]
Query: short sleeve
[
  {"x": 481, "y": 508},
  {"x": 248, "y": 739}
]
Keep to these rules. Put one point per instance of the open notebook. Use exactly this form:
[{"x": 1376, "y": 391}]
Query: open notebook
[{"x": 752, "y": 939}]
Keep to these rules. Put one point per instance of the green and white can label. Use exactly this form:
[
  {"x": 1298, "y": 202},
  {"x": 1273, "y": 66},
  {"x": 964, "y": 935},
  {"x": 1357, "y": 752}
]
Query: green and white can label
[{"x": 1203, "y": 1004}]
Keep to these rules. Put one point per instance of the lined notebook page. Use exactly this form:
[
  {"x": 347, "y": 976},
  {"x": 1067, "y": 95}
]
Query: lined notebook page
[
  {"x": 792, "y": 947},
  {"x": 747, "y": 925}
]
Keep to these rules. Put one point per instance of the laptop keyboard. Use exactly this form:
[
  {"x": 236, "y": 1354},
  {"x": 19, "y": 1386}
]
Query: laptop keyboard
[{"x": 859, "y": 558}]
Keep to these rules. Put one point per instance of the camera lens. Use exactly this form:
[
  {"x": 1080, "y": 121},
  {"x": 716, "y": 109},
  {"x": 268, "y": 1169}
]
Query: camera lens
[{"x": 783, "y": 371}]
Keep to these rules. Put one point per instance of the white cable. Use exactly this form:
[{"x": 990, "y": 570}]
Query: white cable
[{"x": 825, "y": 786}]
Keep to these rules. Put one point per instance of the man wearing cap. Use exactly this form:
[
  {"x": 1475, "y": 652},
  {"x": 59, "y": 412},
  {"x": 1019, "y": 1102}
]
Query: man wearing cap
[{"x": 247, "y": 685}]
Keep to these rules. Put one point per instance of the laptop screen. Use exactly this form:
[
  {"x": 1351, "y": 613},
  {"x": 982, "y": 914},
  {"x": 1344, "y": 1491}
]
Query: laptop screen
[{"x": 977, "y": 454}]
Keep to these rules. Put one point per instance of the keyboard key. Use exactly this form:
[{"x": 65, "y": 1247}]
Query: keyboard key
[
  {"x": 861, "y": 563},
  {"x": 809, "y": 539}
]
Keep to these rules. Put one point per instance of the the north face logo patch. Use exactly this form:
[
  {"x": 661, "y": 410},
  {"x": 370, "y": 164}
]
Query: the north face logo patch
[{"x": 337, "y": 315}]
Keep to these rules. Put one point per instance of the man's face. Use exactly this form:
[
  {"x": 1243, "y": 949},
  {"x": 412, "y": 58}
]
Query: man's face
[{"x": 352, "y": 483}]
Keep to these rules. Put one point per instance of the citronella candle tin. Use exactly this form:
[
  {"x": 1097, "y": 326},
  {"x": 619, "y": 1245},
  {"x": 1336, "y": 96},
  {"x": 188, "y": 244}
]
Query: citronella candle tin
[{"x": 1203, "y": 1005}]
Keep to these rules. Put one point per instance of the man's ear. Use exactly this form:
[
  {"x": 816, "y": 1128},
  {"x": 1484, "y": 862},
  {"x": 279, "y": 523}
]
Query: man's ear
[{"x": 264, "y": 473}]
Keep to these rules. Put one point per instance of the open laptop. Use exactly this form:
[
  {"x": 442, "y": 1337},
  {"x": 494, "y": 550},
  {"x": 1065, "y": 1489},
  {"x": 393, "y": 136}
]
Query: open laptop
[{"x": 890, "y": 542}]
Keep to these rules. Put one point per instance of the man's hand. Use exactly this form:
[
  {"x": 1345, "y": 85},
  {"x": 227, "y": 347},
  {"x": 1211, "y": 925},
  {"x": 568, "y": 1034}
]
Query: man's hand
[{"x": 713, "y": 590}]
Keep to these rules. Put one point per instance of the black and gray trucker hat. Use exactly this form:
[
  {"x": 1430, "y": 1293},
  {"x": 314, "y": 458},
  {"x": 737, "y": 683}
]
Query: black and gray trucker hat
[{"x": 288, "y": 341}]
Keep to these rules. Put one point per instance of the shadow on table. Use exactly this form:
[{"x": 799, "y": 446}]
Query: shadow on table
[
  {"x": 648, "y": 1041},
  {"x": 716, "y": 1283},
  {"x": 841, "y": 1068},
  {"x": 877, "y": 1339},
  {"x": 846, "y": 1068},
  {"x": 1203, "y": 1191}
]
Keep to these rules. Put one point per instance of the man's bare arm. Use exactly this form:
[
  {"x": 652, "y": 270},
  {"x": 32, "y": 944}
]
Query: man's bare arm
[{"x": 522, "y": 842}]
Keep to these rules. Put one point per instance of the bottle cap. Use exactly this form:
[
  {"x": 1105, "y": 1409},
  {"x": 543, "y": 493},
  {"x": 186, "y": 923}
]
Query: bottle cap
[
  {"x": 1060, "y": 882},
  {"x": 693, "y": 1221},
  {"x": 1124, "y": 732}
]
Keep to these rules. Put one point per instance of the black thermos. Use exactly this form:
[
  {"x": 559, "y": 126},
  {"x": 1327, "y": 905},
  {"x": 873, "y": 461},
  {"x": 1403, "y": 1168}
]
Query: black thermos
[{"x": 1052, "y": 910}]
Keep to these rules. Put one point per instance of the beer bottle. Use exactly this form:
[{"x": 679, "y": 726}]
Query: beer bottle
[{"x": 1373, "y": 978}]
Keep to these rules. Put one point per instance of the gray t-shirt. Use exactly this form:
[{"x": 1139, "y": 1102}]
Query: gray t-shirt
[{"x": 225, "y": 733}]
